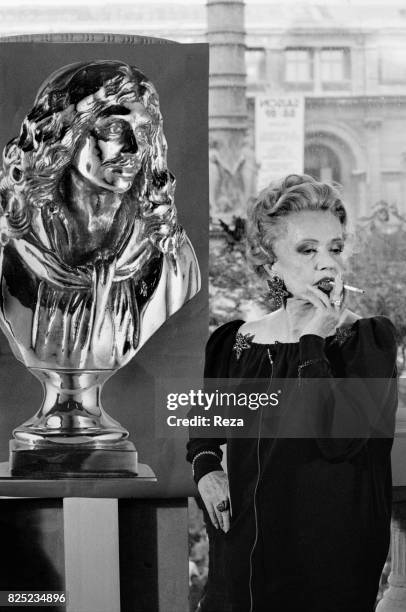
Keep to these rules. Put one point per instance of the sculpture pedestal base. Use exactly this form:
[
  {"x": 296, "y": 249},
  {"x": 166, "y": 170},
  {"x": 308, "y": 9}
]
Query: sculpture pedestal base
[
  {"x": 117, "y": 460},
  {"x": 105, "y": 553}
]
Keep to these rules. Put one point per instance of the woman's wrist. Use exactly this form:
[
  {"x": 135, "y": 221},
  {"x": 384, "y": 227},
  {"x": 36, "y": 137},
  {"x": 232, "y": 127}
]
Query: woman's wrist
[
  {"x": 312, "y": 356},
  {"x": 205, "y": 461}
]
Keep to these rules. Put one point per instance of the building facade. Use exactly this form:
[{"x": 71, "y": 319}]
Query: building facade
[{"x": 350, "y": 65}]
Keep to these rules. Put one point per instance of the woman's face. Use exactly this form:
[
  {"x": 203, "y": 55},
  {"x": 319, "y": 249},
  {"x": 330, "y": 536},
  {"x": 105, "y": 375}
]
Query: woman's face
[
  {"x": 309, "y": 249},
  {"x": 110, "y": 155}
]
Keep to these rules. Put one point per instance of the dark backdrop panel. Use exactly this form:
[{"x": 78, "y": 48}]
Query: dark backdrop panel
[
  {"x": 32, "y": 548},
  {"x": 180, "y": 74}
]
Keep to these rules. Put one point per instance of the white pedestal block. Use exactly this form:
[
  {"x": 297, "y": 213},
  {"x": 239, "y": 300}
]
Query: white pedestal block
[{"x": 394, "y": 599}]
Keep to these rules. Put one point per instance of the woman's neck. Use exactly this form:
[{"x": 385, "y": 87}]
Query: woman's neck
[{"x": 295, "y": 315}]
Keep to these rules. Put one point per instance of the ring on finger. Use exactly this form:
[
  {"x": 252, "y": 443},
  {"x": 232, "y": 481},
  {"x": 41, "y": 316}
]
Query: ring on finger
[
  {"x": 336, "y": 303},
  {"x": 223, "y": 506}
]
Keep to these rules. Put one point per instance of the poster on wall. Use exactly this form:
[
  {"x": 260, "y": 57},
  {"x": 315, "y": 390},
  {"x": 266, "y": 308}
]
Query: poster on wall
[{"x": 279, "y": 136}]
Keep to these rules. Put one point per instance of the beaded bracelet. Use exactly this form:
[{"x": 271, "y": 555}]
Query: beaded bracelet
[{"x": 206, "y": 452}]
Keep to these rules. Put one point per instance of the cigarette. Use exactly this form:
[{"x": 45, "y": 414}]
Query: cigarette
[
  {"x": 349, "y": 288},
  {"x": 354, "y": 289}
]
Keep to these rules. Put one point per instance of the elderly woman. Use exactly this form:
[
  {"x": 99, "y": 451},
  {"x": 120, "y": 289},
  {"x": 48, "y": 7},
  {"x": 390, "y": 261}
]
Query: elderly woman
[{"x": 302, "y": 520}]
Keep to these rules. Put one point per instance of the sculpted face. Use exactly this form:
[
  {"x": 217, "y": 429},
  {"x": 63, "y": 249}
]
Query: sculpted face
[{"x": 110, "y": 155}]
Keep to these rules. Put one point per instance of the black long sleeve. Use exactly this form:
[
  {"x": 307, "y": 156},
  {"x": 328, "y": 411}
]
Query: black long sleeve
[
  {"x": 218, "y": 351},
  {"x": 344, "y": 413}
]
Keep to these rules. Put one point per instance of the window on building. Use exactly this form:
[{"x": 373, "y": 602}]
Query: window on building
[
  {"x": 255, "y": 65},
  {"x": 299, "y": 65},
  {"x": 322, "y": 163},
  {"x": 334, "y": 65}
]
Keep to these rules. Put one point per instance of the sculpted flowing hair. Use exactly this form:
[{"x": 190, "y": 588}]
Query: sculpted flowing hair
[
  {"x": 294, "y": 193},
  {"x": 67, "y": 105}
]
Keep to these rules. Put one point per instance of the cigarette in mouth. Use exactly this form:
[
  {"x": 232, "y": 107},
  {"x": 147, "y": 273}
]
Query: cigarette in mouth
[
  {"x": 353, "y": 289},
  {"x": 347, "y": 287}
]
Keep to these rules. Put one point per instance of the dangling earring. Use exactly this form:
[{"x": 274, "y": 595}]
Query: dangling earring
[{"x": 277, "y": 293}]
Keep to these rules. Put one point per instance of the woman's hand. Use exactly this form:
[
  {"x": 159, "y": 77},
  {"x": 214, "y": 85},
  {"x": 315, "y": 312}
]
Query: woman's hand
[
  {"x": 327, "y": 309},
  {"x": 213, "y": 488}
]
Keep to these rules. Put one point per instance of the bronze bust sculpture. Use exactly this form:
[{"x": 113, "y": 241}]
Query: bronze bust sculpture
[{"x": 93, "y": 258}]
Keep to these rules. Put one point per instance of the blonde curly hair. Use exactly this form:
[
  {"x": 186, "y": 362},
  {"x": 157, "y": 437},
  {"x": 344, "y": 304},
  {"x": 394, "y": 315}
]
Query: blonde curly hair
[{"x": 294, "y": 193}]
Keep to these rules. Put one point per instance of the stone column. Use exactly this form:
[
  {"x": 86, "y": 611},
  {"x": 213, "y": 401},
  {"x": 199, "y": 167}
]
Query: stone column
[
  {"x": 317, "y": 72},
  {"x": 229, "y": 153},
  {"x": 394, "y": 598},
  {"x": 402, "y": 203},
  {"x": 357, "y": 69},
  {"x": 371, "y": 65}
]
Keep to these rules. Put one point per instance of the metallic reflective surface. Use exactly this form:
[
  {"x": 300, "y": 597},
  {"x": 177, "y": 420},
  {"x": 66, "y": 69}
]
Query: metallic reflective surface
[
  {"x": 93, "y": 259},
  {"x": 71, "y": 411}
]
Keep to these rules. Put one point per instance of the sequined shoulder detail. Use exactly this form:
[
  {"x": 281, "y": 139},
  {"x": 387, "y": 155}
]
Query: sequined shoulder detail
[
  {"x": 342, "y": 333},
  {"x": 242, "y": 342}
]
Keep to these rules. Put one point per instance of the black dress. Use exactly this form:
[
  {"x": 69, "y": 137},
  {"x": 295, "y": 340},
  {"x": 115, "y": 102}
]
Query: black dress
[{"x": 311, "y": 515}]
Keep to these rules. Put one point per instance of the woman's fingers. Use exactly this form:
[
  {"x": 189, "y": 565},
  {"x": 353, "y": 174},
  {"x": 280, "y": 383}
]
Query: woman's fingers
[
  {"x": 220, "y": 520},
  {"x": 337, "y": 293},
  {"x": 224, "y": 517},
  {"x": 219, "y": 516},
  {"x": 213, "y": 488},
  {"x": 226, "y": 521},
  {"x": 212, "y": 514},
  {"x": 317, "y": 297},
  {"x": 309, "y": 298}
]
